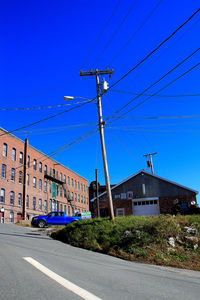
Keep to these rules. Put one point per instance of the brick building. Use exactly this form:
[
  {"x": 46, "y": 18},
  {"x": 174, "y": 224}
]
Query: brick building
[
  {"x": 144, "y": 194},
  {"x": 32, "y": 183}
]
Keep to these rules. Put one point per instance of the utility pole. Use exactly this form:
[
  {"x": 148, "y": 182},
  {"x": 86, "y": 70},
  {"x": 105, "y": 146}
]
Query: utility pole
[
  {"x": 24, "y": 181},
  {"x": 96, "y": 73},
  {"x": 97, "y": 193},
  {"x": 150, "y": 161}
]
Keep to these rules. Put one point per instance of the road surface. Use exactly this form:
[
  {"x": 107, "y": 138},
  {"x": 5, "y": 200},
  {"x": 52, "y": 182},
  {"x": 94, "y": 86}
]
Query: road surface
[{"x": 34, "y": 266}]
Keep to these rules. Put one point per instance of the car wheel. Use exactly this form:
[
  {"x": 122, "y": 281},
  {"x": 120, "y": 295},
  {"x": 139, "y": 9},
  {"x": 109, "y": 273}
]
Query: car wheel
[{"x": 41, "y": 224}]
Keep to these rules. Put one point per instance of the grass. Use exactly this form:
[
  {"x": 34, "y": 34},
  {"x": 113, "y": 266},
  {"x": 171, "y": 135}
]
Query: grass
[{"x": 142, "y": 239}]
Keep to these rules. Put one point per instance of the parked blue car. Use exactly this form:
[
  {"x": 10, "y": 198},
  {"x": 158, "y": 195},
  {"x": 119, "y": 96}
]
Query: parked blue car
[{"x": 53, "y": 218}]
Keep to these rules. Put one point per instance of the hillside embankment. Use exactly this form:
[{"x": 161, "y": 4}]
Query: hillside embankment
[{"x": 162, "y": 240}]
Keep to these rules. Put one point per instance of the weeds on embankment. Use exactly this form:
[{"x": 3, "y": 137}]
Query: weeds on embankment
[{"x": 163, "y": 240}]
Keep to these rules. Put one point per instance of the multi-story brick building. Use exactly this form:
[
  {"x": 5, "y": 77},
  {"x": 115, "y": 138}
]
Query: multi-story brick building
[
  {"x": 143, "y": 194},
  {"x": 32, "y": 183}
]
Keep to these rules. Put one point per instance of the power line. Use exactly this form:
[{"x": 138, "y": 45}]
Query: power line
[
  {"x": 153, "y": 51},
  {"x": 103, "y": 30},
  {"x": 192, "y": 68},
  {"x": 159, "y": 96},
  {"x": 155, "y": 130},
  {"x": 115, "y": 32},
  {"x": 135, "y": 32},
  {"x": 161, "y": 78},
  {"x": 48, "y": 118},
  {"x": 54, "y": 129},
  {"x": 42, "y": 107},
  {"x": 156, "y": 117}
]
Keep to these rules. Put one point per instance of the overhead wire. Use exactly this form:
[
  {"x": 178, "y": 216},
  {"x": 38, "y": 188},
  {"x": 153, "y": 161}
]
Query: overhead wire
[
  {"x": 42, "y": 107},
  {"x": 48, "y": 118},
  {"x": 159, "y": 96},
  {"x": 100, "y": 35},
  {"x": 142, "y": 102},
  {"x": 159, "y": 117},
  {"x": 135, "y": 32},
  {"x": 157, "y": 81},
  {"x": 155, "y": 49},
  {"x": 115, "y": 32}
]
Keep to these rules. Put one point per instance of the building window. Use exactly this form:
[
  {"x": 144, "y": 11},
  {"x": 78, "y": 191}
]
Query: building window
[
  {"x": 12, "y": 198},
  {"x": 28, "y": 162},
  {"x": 130, "y": 195},
  {"x": 120, "y": 212},
  {"x": 27, "y": 179},
  {"x": 54, "y": 173},
  {"x": 3, "y": 171},
  {"x": 5, "y": 148},
  {"x": 61, "y": 207},
  {"x": 64, "y": 178},
  {"x": 12, "y": 176},
  {"x": 34, "y": 203},
  {"x": 65, "y": 193},
  {"x": 65, "y": 209},
  {"x": 27, "y": 201},
  {"x": 50, "y": 172},
  {"x": 40, "y": 204},
  {"x": 72, "y": 196},
  {"x": 34, "y": 182},
  {"x": 45, "y": 205},
  {"x": 84, "y": 188},
  {"x": 50, "y": 204},
  {"x": 50, "y": 187},
  {"x": 60, "y": 176},
  {"x": 40, "y": 184},
  {"x": 72, "y": 182},
  {"x": 2, "y": 197},
  {"x": 75, "y": 185},
  {"x": 78, "y": 198},
  {"x": 11, "y": 219},
  {"x": 19, "y": 199},
  {"x": 20, "y": 176},
  {"x": 13, "y": 154},
  {"x": 68, "y": 210},
  {"x": 35, "y": 164},
  {"x": 123, "y": 195},
  {"x": 75, "y": 196},
  {"x": 84, "y": 199},
  {"x": 68, "y": 180},
  {"x": 117, "y": 196},
  {"x": 56, "y": 190},
  {"x": 45, "y": 169},
  {"x": 21, "y": 157},
  {"x": 81, "y": 199},
  {"x": 60, "y": 191},
  {"x": 143, "y": 189},
  {"x": 81, "y": 187},
  {"x": 45, "y": 186},
  {"x": 40, "y": 167}
]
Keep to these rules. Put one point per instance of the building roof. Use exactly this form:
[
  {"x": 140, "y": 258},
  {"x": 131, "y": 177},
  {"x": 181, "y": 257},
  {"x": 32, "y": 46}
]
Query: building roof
[
  {"x": 45, "y": 155},
  {"x": 153, "y": 175}
]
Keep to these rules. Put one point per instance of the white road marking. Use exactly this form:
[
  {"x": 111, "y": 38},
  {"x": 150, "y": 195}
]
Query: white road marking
[{"x": 64, "y": 282}]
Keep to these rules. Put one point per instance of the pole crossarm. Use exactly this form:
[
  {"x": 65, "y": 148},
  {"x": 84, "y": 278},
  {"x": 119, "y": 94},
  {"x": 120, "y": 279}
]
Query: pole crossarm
[{"x": 96, "y": 72}]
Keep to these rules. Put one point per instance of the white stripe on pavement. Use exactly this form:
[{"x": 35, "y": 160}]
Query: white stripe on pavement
[{"x": 64, "y": 282}]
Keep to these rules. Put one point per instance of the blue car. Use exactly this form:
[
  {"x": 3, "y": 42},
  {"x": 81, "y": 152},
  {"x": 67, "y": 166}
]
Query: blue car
[{"x": 53, "y": 218}]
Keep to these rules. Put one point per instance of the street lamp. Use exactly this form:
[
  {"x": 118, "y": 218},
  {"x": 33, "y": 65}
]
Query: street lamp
[{"x": 67, "y": 98}]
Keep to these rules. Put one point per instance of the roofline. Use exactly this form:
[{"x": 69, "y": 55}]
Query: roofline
[
  {"x": 42, "y": 153},
  {"x": 142, "y": 171}
]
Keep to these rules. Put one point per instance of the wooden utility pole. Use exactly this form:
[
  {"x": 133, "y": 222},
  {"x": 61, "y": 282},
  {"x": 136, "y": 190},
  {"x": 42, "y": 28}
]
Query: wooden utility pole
[
  {"x": 150, "y": 160},
  {"x": 24, "y": 181},
  {"x": 96, "y": 73}
]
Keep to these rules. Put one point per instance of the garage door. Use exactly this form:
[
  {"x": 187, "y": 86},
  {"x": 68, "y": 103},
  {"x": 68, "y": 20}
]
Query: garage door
[{"x": 145, "y": 207}]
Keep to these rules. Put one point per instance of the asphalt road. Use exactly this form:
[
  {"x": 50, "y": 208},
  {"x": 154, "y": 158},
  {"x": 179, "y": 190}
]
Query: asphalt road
[{"x": 101, "y": 276}]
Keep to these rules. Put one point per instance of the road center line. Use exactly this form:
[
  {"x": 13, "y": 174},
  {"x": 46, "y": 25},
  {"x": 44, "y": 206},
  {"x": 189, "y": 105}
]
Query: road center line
[{"x": 62, "y": 281}]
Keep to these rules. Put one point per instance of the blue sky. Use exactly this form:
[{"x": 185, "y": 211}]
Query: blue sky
[{"x": 44, "y": 46}]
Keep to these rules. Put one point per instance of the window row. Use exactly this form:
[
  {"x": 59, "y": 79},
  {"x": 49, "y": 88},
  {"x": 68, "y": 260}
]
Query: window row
[{"x": 5, "y": 153}]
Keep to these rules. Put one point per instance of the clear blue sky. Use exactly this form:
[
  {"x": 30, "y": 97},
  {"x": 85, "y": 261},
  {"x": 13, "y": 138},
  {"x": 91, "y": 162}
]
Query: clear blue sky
[{"x": 45, "y": 43}]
